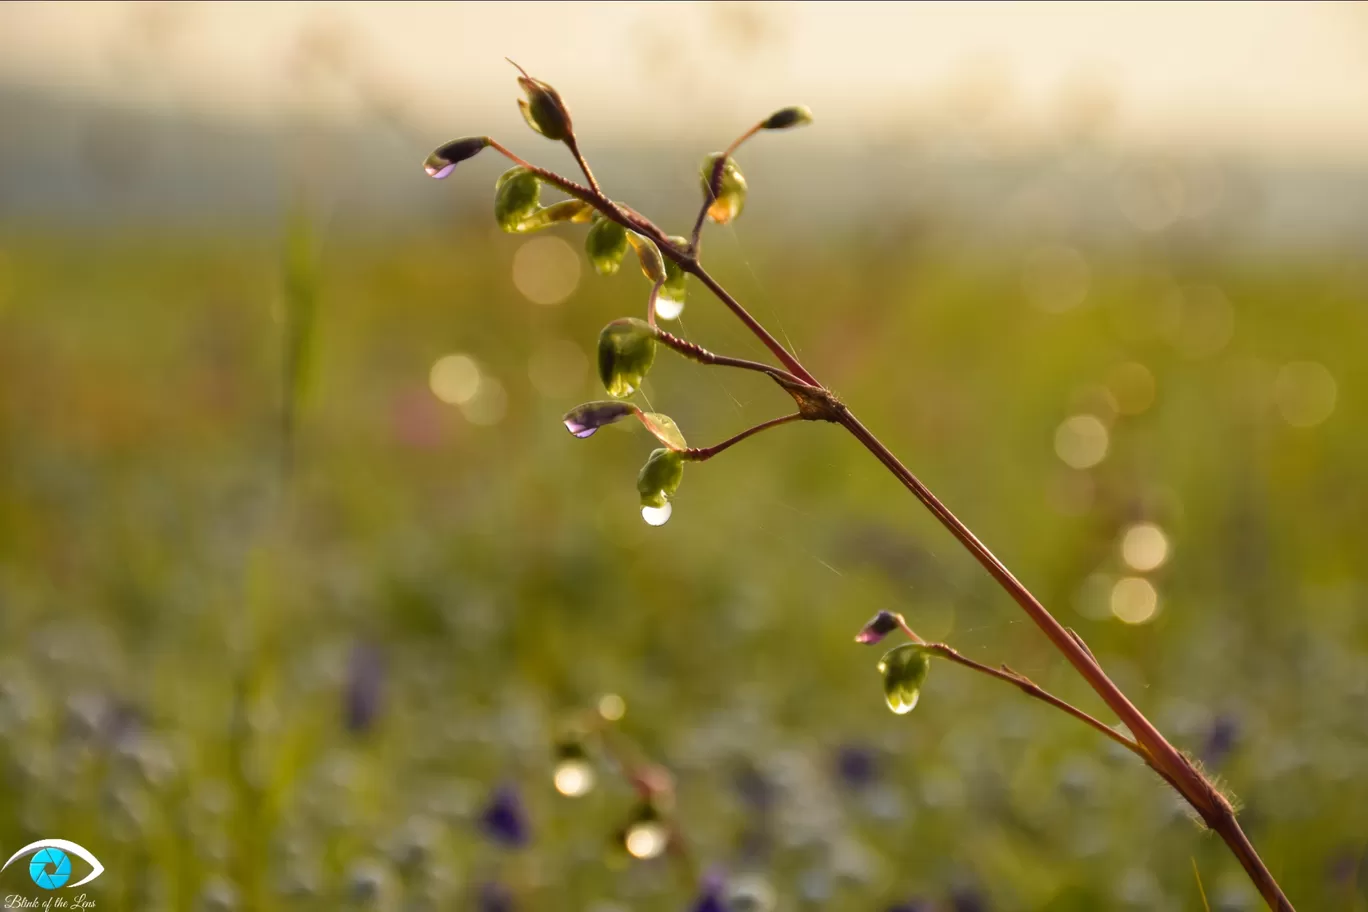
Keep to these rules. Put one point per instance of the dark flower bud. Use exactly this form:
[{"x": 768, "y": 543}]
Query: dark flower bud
[
  {"x": 879, "y": 626},
  {"x": 904, "y": 669},
  {"x": 443, "y": 161},
  {"x": 584, "y": 420},
  {"x": 731, "y": 192},
  {"x": 517, "y": 195},
  {"x": 543, "y": 109},
  {"x": 606, "y": 245},
  {"x": 657, "y": 483},
  {"x": 626, "y": 350},
  {"x": 784, "y": 118}
]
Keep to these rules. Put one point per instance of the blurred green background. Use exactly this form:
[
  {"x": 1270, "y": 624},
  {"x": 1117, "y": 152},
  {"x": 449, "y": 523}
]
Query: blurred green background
[{"x": 302, "y": 579}]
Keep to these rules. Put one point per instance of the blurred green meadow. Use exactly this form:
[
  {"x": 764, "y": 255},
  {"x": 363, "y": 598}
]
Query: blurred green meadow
[{"x": 306, "y": 637}]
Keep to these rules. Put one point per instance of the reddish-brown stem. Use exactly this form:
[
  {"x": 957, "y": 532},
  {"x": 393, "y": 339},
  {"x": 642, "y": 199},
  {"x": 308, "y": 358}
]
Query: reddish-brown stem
[
  {"x": 703, "y": 454},
  {"x": 1027, "y": 686},
  {"x": 1185, "y": 778},
  {"x": 1173, "y": 766},
  {"x": 695, "y": 352},
  {"x": 573, "y": 144}
]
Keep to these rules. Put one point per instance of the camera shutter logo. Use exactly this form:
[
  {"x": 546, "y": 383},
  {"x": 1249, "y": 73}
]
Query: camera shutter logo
[{"x": 50, "y": 866}]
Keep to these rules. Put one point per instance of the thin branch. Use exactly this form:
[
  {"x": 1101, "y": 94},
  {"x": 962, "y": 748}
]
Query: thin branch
[
  {"x": 790, "y": 362},
  {"x": 1027, "y": 686},
  {"x": 1185, "y": 778},
  {"x": 651, "y": 304},
  {"x": 573, "y": 145},
  {"x": 703, "y": 454},
  {"x": 695, "y": 352}
]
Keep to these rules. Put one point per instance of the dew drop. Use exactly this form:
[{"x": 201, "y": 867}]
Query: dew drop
[
  {"x": 579, "y": 430},
  {"x": 645, "y": 840},
  {"x": 574, "y": 778},
  {"x": 657, "y": 516},
  {"x": 668, "y": 308},
  {"x": 438, "y": 168},
  {"x": 901, "y": 704}
]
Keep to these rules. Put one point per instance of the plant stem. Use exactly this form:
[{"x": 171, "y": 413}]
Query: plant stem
[
  {"x": 703, "y": 454},
  {"x": 1214, "y": 809},
  {"x": 1148, "y": 741},
  {"x": 695, "y": 352},
  {"x": 1029, "y": 687}
]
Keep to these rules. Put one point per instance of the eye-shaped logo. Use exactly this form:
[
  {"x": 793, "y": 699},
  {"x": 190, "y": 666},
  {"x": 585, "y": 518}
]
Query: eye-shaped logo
[{"x": 50, "y": 867}]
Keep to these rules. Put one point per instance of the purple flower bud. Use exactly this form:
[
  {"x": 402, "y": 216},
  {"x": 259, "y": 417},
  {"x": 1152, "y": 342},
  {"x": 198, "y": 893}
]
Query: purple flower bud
[
  {"x": 445, "y": 159},
  {"x": 584, "y": 420},
  {"x": 504, "y": 820},
  {"x": 879, "y": 626},
  {"x": 361, "y": 700}
]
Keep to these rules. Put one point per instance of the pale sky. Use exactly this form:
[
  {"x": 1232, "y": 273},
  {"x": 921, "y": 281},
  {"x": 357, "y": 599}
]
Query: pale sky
[{"x": 1288, "y": 80}]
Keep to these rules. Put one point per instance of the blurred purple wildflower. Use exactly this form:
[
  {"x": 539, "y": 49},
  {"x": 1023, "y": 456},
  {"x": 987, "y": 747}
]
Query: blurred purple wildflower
[
  {"x": 494, "y": 897},
  {"x": 361, "y": 699},
  {"x": 504, "y": 820},
  {"x": 1221, "y": 740},
  {"x": 857, "y": 766},
  {"x": 710, "y": 897}
]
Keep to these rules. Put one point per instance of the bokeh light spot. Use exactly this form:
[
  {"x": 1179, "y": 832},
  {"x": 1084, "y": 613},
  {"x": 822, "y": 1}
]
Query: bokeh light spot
[
  {"x": 1132, "y": 386},
  {"x": 489, "y": 404},
  {"x": 557, "y": 367},
  {"x": 1055, "y": 278},
  {"x": 612, "y": 707},
  {"x": 1081, "y": 441},
  {"x": 1134, "y": 600},
  {"x": 546, "y": 270},
  {"x": 1144, "y": 547},
  {"x": 1305, "y": 392},
  {"x": 455, "y": 379}
]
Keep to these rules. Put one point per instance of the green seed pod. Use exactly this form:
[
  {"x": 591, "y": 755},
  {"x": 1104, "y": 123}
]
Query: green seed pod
[
  {"x": 443, "y": 161},
  {"x": 670, "y": 301},
  {"x": 731, "y": 194},
  {"x": 904, "y": 669},
  {"x": 648, "y": 255},
  {"x": 660, "y": 477},
  {"x": 573, "y": 211},
  {"x": 626, "y": 349},
  {"x": 606, "y": 245},
  {"x": 517, "y": 195},
  {"x": 664, "y": 429},
  {"x": 782, "y": 119},
  {"x": 543, "y": 109}
]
